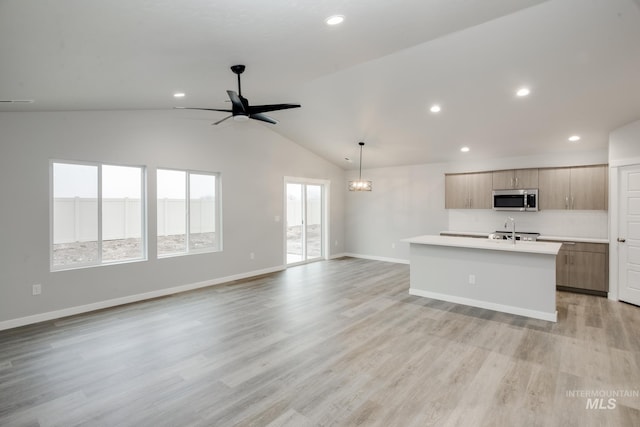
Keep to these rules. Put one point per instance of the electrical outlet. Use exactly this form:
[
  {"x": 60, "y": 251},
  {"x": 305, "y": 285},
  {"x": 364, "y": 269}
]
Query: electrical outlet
[
  {"x": 36, "y": 289},
  {"x": 393, "y": 246},
  {"x": 252, "y": 255},
  {"x": 472, "y": 279}
]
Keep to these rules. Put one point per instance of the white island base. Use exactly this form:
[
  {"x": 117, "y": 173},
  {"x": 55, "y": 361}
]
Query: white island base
[{"x": 496, "y": 275}]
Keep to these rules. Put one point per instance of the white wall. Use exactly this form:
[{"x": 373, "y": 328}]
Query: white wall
[
  {"x": 252, "y": 161},
  {"x": 408, "y": 201},
  {"x": 624, "y": 145}
]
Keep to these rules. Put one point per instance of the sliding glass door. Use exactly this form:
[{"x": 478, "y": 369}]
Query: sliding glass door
[{"x": 305, "y": 221}]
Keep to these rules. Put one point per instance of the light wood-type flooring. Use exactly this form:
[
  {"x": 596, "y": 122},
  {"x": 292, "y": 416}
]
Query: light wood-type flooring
[{"x": 338, "y": 343}]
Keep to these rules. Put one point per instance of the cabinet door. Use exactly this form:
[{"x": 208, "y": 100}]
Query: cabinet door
[
  {"x": 554, "y": 188},
  {"x": 588, "y": 271},
  {"x": 456, "y": 191},
  {"x": 562, "y": 268},
  {"x": 588, "y": 187},
  {"x": 526, "y": 178},
  {"x": 503, "y": 180},
  {"x": 480, "y": 190}
]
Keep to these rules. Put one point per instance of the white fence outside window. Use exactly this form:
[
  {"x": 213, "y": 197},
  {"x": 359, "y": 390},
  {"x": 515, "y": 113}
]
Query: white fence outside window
[{"x": 75, "y": 218}]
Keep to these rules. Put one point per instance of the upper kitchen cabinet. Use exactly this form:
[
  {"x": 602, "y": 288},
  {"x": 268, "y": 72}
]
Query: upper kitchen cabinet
[
  {"x": 515, "y": 179},
  {"x": 583, "y": 187},
  {"x": 554, "y": 187},
  {"x": 468, "y": 191}
]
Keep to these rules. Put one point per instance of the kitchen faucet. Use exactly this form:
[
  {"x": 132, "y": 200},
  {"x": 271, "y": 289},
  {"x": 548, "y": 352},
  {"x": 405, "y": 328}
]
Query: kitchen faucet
[{"x": 513, "y": 229}]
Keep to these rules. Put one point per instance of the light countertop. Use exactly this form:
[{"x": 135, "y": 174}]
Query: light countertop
[
  {"x": 573, "y": 239},
  {"x": 541, "y": 237},
  {"x": 549, "y": 248}
]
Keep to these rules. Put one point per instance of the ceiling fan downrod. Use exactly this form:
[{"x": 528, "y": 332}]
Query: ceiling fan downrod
[{"x": 238, "y": 69}]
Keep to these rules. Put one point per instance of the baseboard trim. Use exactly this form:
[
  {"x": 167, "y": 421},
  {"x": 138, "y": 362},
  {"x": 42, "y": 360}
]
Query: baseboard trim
[
  {"x": 71, "y": 311},
  {"x": 535, "y": 314},
  {"x": 336, "y": 256},
  {"x": 377, "y": 258}
]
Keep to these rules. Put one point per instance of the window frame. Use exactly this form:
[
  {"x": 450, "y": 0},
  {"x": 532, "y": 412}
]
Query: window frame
[
  {"x": 217, "y": 212},
  {"x": 143, "y": 216}
]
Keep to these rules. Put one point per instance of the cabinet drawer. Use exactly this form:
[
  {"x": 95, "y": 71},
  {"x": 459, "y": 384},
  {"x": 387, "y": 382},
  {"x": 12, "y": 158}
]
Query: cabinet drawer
[{"x": 600, "y": 248}]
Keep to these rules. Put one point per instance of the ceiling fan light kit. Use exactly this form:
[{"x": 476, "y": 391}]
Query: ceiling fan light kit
[
  {"x": 241, "y": 111},
  {"x": 360, "y": 184}
]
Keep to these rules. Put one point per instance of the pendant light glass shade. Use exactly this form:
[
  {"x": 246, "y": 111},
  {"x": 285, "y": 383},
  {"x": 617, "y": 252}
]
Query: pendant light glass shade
[{"x": 360, "y": 184}]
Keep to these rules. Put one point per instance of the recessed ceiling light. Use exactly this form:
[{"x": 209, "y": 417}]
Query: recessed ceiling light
[
  {"x": 574, "y": 138},
  {"x": 435, "y": 108},
  {"x": 179, "y": 95},
  {"x": 334, "y": 20},
  {"x": 465, "y": 149},
  {"x": 523, "y": 91}
]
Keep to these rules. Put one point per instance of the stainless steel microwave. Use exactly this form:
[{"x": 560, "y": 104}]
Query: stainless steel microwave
[{"x": 515, "y": 200}]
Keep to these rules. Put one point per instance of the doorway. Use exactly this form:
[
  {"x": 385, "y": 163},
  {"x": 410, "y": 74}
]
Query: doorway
[
  {"x": 305, "y": 225},
  {"x": 629, "y": 235}
]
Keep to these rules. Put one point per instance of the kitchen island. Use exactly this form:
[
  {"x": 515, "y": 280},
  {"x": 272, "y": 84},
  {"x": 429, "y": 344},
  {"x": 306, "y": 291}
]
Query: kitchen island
[{"x": 493, "y": 274}]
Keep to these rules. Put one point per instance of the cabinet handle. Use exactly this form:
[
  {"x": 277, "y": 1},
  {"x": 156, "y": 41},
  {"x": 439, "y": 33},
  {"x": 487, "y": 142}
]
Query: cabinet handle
[
  {"x": 511, "y": 182},
  {"x": 621, "y": 240},
  {"x": 566, "y": 202},
  {"x": 568, "y": 243},
  {"x": 516, "y": 182},
  {"x": 572, "y": 202}
]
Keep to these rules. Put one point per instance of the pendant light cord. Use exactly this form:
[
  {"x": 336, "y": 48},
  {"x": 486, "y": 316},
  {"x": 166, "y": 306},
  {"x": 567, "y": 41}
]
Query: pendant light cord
[
  {"x": 360, "y": 178},
  {"x": 361, "y": 145}
]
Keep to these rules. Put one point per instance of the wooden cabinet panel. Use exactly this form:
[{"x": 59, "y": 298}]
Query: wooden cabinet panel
[
  {"x": 515, "y": 179},
  {"x": 480, "y": 190},
  {"x": 456, "y": 191},
  {"x": 587, "y": 271},
  {"x": 583, "y": 266},
  {"x": 588, "y": 187},
  {"x": 582, "y": 188},
  {"x": 526, "y": 178},
  {"x": 468, "y": 191},
  {"x": 562, "y": 268},
  {"x": 589, "y": 247},
  {"x": 554, "y": 187},
  {"x": 502, "y": 180}
]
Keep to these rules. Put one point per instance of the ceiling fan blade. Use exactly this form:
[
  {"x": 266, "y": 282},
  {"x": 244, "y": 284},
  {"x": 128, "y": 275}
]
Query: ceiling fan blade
[
  {"x": 204, "y": 109},
  {"x": 272, "y": 107},
  {"x": 220, "y": 121},
  {"x": 263, "y": 118},
  {"x": 236, "y": 101}
]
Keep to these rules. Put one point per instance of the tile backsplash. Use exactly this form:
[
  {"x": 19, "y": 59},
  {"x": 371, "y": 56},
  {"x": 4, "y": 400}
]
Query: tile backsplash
[{"x": 588, "y": 224}]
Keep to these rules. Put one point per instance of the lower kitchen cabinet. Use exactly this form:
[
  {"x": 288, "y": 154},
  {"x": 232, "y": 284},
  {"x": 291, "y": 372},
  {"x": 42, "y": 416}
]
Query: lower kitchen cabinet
[{"x": 583, "y": 267}]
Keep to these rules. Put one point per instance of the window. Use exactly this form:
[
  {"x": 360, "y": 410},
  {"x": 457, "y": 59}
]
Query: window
[
  {"x": 188, "y": 212},
  {"x": 97, "y": 214}
]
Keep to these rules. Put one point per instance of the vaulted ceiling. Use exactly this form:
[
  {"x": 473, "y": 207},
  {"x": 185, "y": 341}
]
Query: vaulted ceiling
[{"x": 372, "y": 78}]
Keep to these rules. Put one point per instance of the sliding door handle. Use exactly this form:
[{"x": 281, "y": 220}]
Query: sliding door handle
[{"x": 621, "y": 240}]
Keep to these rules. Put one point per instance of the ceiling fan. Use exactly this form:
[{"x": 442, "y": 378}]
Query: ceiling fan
[{"x": 240, "y": 108}]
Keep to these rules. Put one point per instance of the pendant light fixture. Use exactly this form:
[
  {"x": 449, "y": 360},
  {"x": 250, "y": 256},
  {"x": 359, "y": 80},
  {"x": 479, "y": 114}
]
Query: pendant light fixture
[{"x": 360, "y": 184}]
